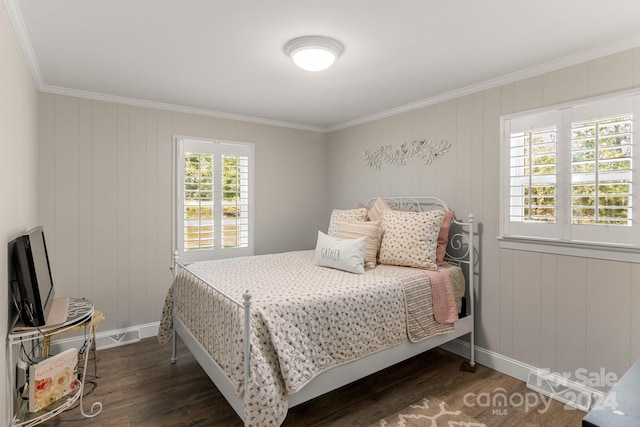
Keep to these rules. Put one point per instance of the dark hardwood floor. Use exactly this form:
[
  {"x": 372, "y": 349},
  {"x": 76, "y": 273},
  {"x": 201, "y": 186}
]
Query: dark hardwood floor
[{"x": 138, "y": 386}]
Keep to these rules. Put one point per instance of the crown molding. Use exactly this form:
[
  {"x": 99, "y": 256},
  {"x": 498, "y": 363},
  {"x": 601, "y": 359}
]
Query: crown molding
[
  {"x": 97, "y": 96},
  {"x": 537, "y": 70},
  {"x": 25, "y": 42},
  {"x": 15, "y": 15}
]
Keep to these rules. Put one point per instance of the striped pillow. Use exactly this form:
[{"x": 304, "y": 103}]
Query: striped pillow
[
  {"x": 345, "y": 215},
  {"x": 377, "y": 208},
  {"x": 370, "y": 230}
]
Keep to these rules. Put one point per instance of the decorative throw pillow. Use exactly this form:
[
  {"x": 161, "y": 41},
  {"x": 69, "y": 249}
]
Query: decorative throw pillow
[
  {"x": 342, "y": 254},
  {"x": 359, "y": 215},
  {"x": 443, "y": 236},
  {"x": 377, "y": 208},
  {"x": 410, "y": 238},
  {"x": 368, "y": 229}
]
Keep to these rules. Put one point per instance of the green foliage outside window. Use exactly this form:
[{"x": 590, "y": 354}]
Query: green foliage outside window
[
  {"x": 601, "y": 153},
  {"x": 601, "y": 162},
  {"x": 199, "y": 200}
]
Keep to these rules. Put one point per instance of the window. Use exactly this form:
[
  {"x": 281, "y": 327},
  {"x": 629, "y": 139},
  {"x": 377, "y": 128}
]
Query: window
[
  {"x": 568, "y": 174},
  {"x": 213, "y": 199},
  {"x": 601, "y": 174}
]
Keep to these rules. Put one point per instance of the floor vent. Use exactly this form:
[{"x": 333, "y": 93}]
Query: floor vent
[
  {"x": 558, "y": 388},
  {"x": 115, "y": 340}
]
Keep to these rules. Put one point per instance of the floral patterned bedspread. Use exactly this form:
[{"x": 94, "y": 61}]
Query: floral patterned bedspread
[{"x": 305, "y": 320}]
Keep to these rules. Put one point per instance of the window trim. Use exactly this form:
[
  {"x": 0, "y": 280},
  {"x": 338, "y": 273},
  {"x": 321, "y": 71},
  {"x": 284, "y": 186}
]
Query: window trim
[
  {"x": 561, "y": 244},
  {"x": 583, "y": 250},
  {"x": 176, "y": 217}
]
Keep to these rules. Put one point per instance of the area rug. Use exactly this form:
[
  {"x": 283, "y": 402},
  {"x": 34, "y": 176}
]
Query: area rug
[{"x": 429, "y": 413}]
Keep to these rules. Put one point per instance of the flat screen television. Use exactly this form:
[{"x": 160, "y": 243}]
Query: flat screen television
[{"x": 33, "y": 284}]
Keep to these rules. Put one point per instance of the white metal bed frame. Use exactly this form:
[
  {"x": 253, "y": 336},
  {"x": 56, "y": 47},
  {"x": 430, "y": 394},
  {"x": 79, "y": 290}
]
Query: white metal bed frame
[{"x": 460, "y": 250}]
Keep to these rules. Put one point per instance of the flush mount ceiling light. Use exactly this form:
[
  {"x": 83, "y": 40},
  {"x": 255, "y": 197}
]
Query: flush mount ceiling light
[{"x": 313, "y": 53}]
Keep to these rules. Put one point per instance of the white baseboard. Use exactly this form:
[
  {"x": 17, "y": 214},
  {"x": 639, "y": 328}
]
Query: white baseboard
[
  {"x": 108, "y": 339},
  {"x": 513, "y": 368},
  {"x": 149, "y": 330},
  {"x": 490, "y": 359}
]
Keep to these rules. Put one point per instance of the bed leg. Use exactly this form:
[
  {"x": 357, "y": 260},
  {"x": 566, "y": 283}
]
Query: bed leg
[
  {"x": 174, "y": 350},
  {"x": 174, "y": 334},
  {"x": 247, "y": 352},
  {"x": 470, "y": 366},
  {"x": 466, "y": 366}
]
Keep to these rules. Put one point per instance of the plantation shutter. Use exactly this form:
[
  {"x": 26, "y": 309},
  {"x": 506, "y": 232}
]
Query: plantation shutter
[
  {"x": 234, "y": 183},
  {"x": 531, "y": 194},
  {"x": 213, "y": 199},
  {"x": 602, "y": 176},
  {"x": 569, "y": 174}
]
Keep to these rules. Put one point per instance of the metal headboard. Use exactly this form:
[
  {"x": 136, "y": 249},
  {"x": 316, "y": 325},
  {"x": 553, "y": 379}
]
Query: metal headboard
[{"x": 460, "y": 244}]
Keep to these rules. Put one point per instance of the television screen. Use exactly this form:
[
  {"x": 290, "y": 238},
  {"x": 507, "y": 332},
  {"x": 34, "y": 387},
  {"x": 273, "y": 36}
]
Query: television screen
[{"x": 33, "y": 276}]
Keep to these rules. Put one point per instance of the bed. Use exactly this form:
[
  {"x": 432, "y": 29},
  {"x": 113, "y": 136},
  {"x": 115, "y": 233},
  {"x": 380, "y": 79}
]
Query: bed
[{"x": 273, "y": 331}]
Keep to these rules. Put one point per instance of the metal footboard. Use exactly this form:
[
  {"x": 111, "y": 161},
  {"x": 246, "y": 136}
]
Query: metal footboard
[{"x": 203, "y": 347}]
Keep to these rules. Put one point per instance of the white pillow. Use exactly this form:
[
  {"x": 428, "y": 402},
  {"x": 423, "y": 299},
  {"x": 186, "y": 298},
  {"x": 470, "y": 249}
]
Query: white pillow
[{"x": 342, "y": 254}]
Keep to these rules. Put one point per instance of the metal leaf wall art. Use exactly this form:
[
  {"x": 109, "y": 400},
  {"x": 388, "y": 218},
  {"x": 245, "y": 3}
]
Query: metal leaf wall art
[{"x": 425, "y": 149}]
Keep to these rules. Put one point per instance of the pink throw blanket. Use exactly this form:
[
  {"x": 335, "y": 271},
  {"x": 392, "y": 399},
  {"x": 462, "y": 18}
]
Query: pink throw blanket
[{"x": 444, "y": 303}]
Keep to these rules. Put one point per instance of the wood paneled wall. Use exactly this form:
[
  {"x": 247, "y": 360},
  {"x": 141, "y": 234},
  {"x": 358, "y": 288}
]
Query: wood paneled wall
[
  {"x": 18, "y": 174},
  {"x": 105, "y": 197},
  {"x": 550, "y": 311}
]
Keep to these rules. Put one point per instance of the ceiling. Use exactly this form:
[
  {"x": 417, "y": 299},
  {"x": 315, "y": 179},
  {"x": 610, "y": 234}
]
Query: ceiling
[{"x": 225, "y": 57}]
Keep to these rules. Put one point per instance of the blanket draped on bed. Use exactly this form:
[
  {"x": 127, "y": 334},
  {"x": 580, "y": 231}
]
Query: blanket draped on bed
[{"x": 305, "y": 319}]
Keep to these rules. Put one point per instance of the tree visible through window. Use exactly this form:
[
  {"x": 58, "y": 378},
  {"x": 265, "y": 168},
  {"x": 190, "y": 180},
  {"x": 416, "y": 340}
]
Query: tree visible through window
[
  {"x": 533, "y": 175},
  {"x": 198, "y": 201},
  {"x": 569, "y": 173},
  {"x": 213, "y": 198},
  {"x": 601, "y": 174},
  {"x": 235, "y": 205}
]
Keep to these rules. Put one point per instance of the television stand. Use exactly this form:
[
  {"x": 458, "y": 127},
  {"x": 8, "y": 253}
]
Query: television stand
[{"x": 80, "y": 314}]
